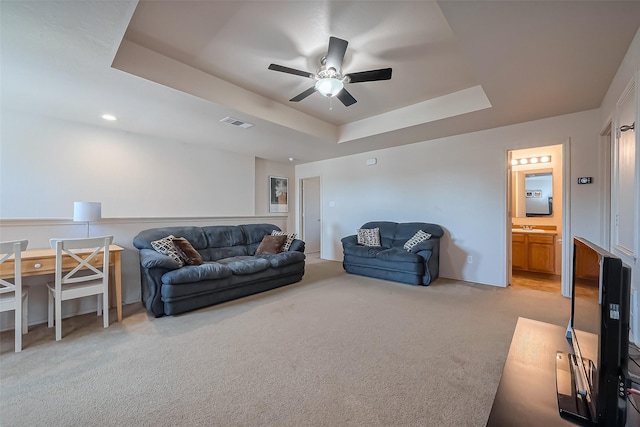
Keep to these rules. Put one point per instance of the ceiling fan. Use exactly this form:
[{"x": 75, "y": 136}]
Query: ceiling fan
[{"x": 330, "y": 81}]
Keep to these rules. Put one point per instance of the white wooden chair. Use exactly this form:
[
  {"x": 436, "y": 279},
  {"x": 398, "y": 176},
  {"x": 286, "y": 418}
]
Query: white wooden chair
[
  {"x": 83, "y": 271},
  {"x": 13, "y": 296}
]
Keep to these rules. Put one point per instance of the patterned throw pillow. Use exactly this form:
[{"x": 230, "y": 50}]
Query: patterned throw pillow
[
  {"x": 369, "y": 237},
  {"x": 420, "y": 236},
  {"x": 165, "y": 246},
  {"x": 290, "y": 238}
]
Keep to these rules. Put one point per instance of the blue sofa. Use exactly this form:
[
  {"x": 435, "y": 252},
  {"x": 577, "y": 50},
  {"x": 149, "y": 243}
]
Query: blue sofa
[
  {"x": 391, "y": 261},
  {"x": 230, "y": 269}
]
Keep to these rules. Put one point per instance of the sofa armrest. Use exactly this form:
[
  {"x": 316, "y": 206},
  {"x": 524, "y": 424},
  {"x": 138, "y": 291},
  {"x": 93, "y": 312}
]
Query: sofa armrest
[
  {"x": 297, "y": 245},
  {"x": 349, "y": 240},
  {"x": 152, "y": 259}
]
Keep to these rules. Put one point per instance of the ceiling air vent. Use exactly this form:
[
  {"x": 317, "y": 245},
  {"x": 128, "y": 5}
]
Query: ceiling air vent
[{"x": 236, "y": 122}]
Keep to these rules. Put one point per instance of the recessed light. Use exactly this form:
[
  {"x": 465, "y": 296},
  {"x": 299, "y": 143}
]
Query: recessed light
[
  {"x": 109, "y": 117},
  {"x": 291, "y": 159}
]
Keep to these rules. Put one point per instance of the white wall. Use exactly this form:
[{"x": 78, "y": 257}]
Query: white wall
[
  {"x": 46, "y": 164},
  {"x": 458, "y": 182}
]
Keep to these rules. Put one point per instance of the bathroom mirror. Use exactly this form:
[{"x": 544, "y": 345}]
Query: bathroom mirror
[{"x": 533, "y": 195}]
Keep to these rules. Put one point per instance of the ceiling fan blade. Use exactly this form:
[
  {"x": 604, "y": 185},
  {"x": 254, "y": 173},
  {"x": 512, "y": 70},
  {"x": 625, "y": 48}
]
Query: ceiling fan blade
[
  {"x": 335, "y": 54},
  {"x": 346, "y": 98},
  {"x": 303, "y": 95},
  {"x": 283, "y": 69},
  {"x": 370, "y": 76}
]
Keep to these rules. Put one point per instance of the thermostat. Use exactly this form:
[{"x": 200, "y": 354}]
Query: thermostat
[{"x": 584, "y": 180}]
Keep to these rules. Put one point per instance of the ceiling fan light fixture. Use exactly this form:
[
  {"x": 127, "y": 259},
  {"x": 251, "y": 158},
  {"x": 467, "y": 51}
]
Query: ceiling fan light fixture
[{"x": 329, "y": 86}]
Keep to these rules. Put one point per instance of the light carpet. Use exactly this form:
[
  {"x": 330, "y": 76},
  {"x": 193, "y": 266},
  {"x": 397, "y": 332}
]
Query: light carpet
[{"x": 332, "y": 350}]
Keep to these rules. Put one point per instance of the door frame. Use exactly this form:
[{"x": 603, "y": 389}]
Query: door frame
[
  {"x": 566, "y": 260},
  {"x": 301, "y": 212}
]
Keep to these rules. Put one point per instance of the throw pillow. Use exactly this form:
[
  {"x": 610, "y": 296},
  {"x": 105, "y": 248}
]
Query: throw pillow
[
  {"x": 187, "y": 252},
  {"x": 290, "y": 238},
  {"x": 420, "y": 236},
  {"x": 165, "y": 246},
  {"x": 369, "y": 237},
  {"x": 271, "y": 245}
]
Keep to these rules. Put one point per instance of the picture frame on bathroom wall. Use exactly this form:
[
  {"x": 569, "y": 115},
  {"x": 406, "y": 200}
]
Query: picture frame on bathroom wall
[{"x": 278, "y": 194}]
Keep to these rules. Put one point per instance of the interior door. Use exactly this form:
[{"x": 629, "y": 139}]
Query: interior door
[{"x": 311, "y": 214}]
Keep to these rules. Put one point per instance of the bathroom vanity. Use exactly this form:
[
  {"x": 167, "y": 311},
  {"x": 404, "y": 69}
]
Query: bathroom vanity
[{"x": 533, "y": 250}]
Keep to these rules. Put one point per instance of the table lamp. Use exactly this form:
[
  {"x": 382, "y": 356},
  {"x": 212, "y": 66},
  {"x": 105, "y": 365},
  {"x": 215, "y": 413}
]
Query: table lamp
[{"x": 87, "y": 212}]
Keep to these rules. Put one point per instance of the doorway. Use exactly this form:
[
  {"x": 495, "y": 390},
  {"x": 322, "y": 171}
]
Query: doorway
[
  {"x": 536, "y": 210},
  {"x": 310, "y": 214}
]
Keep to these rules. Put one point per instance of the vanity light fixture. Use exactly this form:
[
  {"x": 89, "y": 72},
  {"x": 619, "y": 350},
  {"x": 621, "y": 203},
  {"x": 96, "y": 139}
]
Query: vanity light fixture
[
  {"x": 109, "y": 117},
  {"x": 532, "y": 160}
]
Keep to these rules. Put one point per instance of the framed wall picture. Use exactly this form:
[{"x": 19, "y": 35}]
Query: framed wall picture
[{"x": 278, "y": 194}]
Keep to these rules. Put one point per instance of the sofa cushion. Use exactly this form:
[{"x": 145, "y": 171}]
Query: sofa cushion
[
  {"x": 194, "y": 235},
  {"x": 245, "y": 264},
  {"x": 223, "y": 236},
  {"x": 397, "y": 254},
  {"x": 363, "y": 251},
  {"x": 255, "y": 232},
  {"x": 397, "y": 234},
  {"x": 419, "y": 237},
  {"x": 197, "y": 273},
  {"x": 369, "y": 236},
  {"x": 165, "y": 246},
  {"x": 283, "y": 258},
  {"x": 290, "y": 238},
  {"x": 383, "y": 264},
  {"x": 188, "y": 253},
  {"x": 150, "y": 258},
  {"x": 271, "y": 244}
]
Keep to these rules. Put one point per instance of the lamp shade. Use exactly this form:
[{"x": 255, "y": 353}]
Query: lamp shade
[
  {"x": 87, "y": 211},
  {"x": 329, "y": 86}
]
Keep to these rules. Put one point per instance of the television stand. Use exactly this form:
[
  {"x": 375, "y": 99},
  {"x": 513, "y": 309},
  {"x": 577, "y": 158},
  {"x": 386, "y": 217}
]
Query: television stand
[
  {"x": 571, "y": 403},
  {"x": 526, "y": 395}
]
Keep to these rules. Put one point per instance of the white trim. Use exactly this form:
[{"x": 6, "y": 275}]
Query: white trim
[
  {"x": 509, "y": 220},
  {"x": 567, "y": 261},
  {"x": 628, "y": 254},
  {"x": 605, "y": 145}
]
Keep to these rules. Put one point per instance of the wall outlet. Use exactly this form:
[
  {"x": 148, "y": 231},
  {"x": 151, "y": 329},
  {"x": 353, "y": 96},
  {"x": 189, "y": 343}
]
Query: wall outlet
[{"x": 469, "y": 259}]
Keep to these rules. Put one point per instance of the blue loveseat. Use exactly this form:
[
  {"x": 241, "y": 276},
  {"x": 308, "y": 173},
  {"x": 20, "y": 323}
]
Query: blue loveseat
[
  {"x": 390, "y": 261},
  {"x": 230, "y": 269}
]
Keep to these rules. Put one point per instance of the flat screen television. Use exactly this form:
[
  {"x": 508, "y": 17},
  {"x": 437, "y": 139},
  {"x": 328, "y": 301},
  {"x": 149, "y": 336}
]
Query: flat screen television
[{"x": 592, "y": 382}]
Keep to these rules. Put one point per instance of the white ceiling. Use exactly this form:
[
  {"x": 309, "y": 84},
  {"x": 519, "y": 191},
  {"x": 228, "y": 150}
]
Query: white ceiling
[{"x": 174, "y": 69}]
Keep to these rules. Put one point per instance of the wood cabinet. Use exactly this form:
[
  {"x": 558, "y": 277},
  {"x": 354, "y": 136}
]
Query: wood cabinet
[{"x": 534, "y": 252}]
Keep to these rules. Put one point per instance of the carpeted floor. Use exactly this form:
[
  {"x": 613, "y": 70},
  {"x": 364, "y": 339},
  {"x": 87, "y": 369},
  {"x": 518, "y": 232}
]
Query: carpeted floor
[{"x": 332, "y": 350}]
